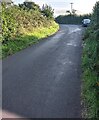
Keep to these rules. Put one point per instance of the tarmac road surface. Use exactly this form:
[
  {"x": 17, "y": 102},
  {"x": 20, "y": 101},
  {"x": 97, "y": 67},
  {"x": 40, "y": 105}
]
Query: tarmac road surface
[{"x": 44, "y": 80}]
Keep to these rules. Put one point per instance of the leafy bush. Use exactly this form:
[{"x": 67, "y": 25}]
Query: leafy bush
[
  {"x": 9, "y": 25},
  {"x": 30, "y": 6},
  {"x": 24, "y": 24},
  {"x": 18, "y": 20},
  {"x": 28, "y": 39},
  {"x": 47, "y": 11}
]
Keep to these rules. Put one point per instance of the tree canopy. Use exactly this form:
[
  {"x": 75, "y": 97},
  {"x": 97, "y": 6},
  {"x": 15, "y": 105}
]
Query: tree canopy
[
  {"x": 47, "y": 11},
  {"x": 27, "y": 5}
]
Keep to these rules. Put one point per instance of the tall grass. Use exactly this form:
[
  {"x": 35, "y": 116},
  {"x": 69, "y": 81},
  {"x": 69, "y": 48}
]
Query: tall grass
[
  {"x": 90, "y": 79},
  {"x": 90, "y": 65}
]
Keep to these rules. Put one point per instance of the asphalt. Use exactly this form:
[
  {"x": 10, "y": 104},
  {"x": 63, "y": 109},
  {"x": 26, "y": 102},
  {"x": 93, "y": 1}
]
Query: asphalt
[{"x": 44, "y": 80}]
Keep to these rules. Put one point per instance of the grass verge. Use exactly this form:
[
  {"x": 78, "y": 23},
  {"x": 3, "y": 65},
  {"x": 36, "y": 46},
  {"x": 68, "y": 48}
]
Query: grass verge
[
  {"x": 90, "y": 87},
  {"x": 29, "y": 38}
]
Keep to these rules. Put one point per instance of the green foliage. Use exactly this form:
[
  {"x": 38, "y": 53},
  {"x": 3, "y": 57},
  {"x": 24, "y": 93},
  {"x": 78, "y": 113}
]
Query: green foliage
[
  {"x": 47, "y": 11},
  {"x": 90, "y": 94},
  {"x": 28, "y": 39},
  {"x": 90, "y": 64},
  {"x": 96, "y": 13},
  {"x": 23, "y": 25},
  {"x": 90, "y": 77},
  {"x": 18, "y": 21},
  {"x": 30, "y": 6},
  {"x": 9, "y": 25}
]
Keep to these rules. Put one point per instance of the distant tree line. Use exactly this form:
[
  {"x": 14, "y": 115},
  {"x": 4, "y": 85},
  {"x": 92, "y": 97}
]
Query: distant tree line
[{"x": 71, "y": 18}]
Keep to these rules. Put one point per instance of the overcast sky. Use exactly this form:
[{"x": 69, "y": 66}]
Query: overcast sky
[{"x": 60, "y": 6}]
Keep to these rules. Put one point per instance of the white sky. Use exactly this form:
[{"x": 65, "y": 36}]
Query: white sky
[{"x": 60, "y": 6}]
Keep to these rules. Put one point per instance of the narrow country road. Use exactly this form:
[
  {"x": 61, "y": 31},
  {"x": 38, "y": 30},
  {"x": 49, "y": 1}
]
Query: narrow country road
[{"x": 43, "y": 81}]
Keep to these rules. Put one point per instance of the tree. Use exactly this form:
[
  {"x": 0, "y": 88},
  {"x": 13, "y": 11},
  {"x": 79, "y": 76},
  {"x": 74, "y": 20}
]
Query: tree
[
  {"x": 74, "y": 11},
  {"x": 68, "y": 12},
  {"x": 29, "y": 5},
  {"x": 47, "y": 11}
]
